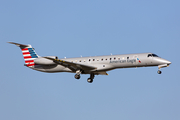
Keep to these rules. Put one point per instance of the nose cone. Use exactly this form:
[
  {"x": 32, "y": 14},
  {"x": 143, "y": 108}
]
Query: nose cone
[
  {"x": 168, "y": 62},
  {"x": 163, "y": 61}
]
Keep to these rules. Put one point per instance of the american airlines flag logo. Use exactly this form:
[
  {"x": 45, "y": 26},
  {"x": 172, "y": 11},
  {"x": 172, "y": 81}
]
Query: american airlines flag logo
[
  {"x": 138, "y": 60},
  {"x": 29, "y": 56}
]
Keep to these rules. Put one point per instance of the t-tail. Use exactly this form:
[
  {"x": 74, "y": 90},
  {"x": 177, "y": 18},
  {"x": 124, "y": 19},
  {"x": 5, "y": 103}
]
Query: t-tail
[{"x": 28, "y": 52}]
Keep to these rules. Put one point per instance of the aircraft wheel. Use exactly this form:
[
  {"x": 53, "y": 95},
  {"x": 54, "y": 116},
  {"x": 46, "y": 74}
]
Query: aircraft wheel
[
  {"x": 90, "y": 80},
  {"x": 159, "y": 72},
  {"x": 77, "y": 76}
]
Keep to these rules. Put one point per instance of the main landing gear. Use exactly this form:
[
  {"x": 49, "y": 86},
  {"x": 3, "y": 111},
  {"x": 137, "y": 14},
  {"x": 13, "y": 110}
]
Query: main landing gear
[
  {"x": 77, "y": 75},
  {"x": 90, "y": 80}
]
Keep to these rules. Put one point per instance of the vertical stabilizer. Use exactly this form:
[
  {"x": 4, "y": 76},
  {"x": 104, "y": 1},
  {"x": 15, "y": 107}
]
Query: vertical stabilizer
[{"x": 28, "y": 52}]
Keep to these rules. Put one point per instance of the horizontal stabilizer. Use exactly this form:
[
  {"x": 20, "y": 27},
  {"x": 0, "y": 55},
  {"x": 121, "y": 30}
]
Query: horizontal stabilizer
[{"x": 19, "y": 45}]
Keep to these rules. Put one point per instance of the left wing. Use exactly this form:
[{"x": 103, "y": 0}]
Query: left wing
[{"x": 73, "y": 66}]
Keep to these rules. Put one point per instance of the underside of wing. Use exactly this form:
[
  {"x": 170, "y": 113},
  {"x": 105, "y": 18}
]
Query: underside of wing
[{"x": 73, "y": 66}]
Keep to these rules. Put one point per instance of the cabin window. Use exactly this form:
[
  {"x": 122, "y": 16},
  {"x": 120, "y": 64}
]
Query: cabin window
[
  {"x": 114, "y": 58},
  {"x": 97, "y": 59},
  {"x": 106, "y": 58},
  {"x": 102, "y": 59},
  {"x": 84, "y": 60},
  {"x": 89, "y": 59},
  {"x": 93, "y": 59},
  {"x": 110, "y": 59},
  {"x": 103, "y": 65},
  {"x": 119, "y": 58},
  {"x": 127, "y": 57},
  {"x": 80, "y": 61}
]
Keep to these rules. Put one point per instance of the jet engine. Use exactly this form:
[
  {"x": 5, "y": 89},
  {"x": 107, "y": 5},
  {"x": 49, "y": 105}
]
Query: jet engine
[{"x": 44, "y": 61}]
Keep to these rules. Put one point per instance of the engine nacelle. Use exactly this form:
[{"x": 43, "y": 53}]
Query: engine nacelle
[{"x": 44, "y": 61}]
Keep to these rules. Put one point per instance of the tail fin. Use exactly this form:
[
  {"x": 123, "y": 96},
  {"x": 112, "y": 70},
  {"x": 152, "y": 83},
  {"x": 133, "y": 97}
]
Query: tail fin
[{"x": 28, "y": 52}]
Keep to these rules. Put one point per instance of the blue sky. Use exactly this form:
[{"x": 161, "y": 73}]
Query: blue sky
[{"x": 90, "y": 28}]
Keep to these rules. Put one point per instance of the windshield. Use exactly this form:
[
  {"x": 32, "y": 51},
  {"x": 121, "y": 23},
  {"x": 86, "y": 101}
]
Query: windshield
[
  {"x": 154, "y": 55},
  {"x": 149, "y": 55}
]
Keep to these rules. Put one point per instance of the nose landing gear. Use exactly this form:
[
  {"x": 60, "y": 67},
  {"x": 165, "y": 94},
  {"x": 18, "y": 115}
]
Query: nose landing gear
[{"x": 159, "y": 72}]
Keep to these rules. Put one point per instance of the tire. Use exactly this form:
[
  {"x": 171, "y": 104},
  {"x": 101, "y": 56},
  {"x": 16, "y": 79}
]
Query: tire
[
  {"x": 159, "y": 72},
  {"x": 77, "y": 76},
  {"x": 89, "y": 80}
]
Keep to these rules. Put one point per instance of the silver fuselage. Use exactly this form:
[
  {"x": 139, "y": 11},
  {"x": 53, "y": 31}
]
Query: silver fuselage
[{"x": 106, "y": 63}]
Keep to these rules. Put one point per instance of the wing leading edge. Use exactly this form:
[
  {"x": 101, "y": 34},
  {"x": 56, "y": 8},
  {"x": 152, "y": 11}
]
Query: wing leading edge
[{"x": 73, "y": 66}]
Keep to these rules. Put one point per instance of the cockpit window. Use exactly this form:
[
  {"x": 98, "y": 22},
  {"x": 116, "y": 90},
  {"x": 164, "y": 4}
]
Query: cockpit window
[
  {"x": 154, "y": 55},
  {"x": 149, "y": 55}
]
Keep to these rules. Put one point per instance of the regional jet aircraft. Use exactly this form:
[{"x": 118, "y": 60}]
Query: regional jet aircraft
[{"x": 98, "y": 65}]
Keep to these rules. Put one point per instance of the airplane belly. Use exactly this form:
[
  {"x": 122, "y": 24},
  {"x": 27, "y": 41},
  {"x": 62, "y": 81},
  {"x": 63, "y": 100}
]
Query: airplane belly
[{"x": 51, "y": 68}]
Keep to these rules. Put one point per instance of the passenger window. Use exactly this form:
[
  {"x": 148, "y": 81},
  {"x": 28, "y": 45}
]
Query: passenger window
[
  {"x": 93, "y": 59},
  {"x": 89, "y": 59},
  {"x": 119, "y": 58},
  {"x": 97, "y": 59},
  {"x": 102, "y": 59},
  {"x": 127, "y": 57},
  {"x": 80, "y": 61},
  {"x": 110, "y": 59},
  {"x": 106, "y": 58},
  {"x": 114, "y": 58}
]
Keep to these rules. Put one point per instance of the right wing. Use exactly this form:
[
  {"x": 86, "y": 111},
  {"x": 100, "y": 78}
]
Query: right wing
[{"x": 73, "y": 66}]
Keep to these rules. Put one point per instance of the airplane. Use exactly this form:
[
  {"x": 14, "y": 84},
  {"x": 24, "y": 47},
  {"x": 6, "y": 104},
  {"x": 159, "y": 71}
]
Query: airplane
[{"x": 97, "y": 65}]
